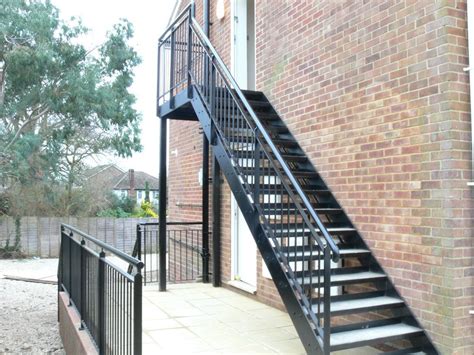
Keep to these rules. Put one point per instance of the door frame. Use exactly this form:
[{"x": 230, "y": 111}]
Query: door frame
[
  {"x": 251, "y": 85},
  {"x": 234, "y": 206}
]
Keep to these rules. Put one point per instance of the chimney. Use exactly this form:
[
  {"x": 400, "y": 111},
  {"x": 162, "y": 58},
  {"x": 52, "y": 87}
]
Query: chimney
[{"x": 131, "y": 179}]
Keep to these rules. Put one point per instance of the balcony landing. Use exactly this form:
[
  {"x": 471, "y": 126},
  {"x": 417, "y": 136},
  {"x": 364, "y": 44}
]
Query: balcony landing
[{"x": 199, "y": 318}]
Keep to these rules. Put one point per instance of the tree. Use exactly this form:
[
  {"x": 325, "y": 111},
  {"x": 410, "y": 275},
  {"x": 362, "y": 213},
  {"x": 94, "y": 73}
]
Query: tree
[{"x": 60, "y": 102}]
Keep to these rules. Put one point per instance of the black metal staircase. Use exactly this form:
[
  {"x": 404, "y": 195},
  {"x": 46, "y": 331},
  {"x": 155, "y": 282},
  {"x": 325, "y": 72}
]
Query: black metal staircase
[{"x": 322, "y": 268}]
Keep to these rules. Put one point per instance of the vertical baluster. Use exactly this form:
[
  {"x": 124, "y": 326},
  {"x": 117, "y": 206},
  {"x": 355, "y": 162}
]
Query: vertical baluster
[
  {"x": 101, "y": 293},
  {"x": 172, "y": 68},
  {"x": 256, "y": 177},
  {"x": 327, "y": 298}
]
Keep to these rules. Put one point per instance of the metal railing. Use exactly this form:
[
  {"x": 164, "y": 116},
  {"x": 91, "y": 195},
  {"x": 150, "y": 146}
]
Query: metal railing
[
  {"x": 184, "y": 257},
  {"x": 298, "y": 235},
  {"x": 108, "y": 298}
]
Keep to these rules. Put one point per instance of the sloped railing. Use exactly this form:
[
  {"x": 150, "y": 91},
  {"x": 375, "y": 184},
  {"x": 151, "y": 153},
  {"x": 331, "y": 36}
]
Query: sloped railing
[
  {"x": 106, "y": 296},
  {"x": 188, "y": 60}
]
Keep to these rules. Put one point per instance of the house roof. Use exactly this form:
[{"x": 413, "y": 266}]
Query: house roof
[
  {"x": 99, "y": 169},
  {"x": 140, "y": 179}
]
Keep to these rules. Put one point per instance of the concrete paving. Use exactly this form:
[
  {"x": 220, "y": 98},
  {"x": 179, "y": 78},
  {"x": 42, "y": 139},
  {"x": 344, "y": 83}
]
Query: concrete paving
[{"x": 198, "y": 318}]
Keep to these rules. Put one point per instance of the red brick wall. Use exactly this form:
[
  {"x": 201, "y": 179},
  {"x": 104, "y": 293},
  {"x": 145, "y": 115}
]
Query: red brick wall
[{"x": 376, "y": 94}]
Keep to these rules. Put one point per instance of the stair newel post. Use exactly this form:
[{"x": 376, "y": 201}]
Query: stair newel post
[{"x": 327, "y": 299}]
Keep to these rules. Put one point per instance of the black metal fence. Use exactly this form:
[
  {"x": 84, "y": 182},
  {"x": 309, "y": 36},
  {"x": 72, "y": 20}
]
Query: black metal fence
[
  {"x": 184, "y": 257},
  {"x": 108, "y": 298}
]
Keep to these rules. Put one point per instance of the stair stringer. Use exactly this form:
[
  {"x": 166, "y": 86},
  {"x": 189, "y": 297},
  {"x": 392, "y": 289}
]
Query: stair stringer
[{"x": 310, "y": 340}]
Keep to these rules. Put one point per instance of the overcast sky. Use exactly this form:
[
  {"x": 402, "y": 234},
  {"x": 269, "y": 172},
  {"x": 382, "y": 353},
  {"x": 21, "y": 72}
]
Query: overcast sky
[{"x": 149, "y": 19}]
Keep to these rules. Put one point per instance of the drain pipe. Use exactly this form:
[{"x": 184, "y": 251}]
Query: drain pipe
[
  {"x": 206, "y": 7},
  {"x": 470, "y": 36}
]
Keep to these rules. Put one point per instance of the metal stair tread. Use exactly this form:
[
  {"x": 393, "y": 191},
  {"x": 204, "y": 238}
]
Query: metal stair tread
[
  {"x": 411, "y": 351},
  {"x": 353, "y": 276},
  {"x": 343, "y": 252},
  {"x": 306, "y": 230},
  {"x": 361, "y": 304},
  {"x": 346, "y": 339}
]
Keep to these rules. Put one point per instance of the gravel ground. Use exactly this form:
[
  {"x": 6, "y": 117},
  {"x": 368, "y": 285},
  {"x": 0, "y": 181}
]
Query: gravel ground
[{"x": 28, "y": 311}]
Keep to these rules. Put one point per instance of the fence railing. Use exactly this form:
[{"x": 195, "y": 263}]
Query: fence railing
[
  {"x": 107, "y": 297},
  {"x": 184, "y": 256}
]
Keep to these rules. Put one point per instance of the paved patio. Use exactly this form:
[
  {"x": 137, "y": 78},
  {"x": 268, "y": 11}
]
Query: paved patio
[{"x": 199, "y": 318}]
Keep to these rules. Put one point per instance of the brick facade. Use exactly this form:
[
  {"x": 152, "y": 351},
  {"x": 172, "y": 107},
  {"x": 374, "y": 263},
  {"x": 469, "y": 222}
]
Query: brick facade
[{"x": 376, "y": 95}]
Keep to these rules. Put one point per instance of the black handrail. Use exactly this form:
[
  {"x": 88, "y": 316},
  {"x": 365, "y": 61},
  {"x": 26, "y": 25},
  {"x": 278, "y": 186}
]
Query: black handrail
[
  {"x": 107, "y": 298},
  {"x": 180, "y": 16},
  {"x": 227, "y": 75},
  {"x": 129, "y": 259}
]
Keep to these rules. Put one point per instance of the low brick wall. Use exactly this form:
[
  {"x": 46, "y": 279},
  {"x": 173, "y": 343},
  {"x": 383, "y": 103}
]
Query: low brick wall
[{"x": 75, "y": 341}]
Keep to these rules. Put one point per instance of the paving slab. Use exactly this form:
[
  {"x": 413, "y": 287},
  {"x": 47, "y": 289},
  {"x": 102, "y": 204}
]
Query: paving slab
[{"x": 198, "y": 318}]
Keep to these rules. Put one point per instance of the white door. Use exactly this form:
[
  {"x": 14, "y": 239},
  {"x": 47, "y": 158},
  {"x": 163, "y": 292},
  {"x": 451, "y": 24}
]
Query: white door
[
  {"x": 239, "y": 42},
  {"x": 244, "y": 249}
]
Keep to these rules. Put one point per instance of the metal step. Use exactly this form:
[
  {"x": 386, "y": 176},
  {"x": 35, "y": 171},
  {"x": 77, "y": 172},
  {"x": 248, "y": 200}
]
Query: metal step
[
  {"x": 411, "y": 351},
  {"x": 257, "y": 105},
  {"x": 278, "y": 210},
  {"x": 299, "y": 174},
  {"x": 288, "y": 143},
  {"x": 308, "y": 254},
  {"x": 243, "y": 152},
  {"x": 361, "y": 305},
  {"x": 375, "y": 335},
  {"x": 233, "y": 134},
  {"x": 344, "y": 278},
  {"x": 280, "y": 190},
  {"x": 300, "y": 231}
]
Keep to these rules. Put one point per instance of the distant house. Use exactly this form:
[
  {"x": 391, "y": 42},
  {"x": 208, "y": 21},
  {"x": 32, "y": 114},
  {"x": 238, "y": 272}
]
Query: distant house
[{"x": 129, "y": 183}]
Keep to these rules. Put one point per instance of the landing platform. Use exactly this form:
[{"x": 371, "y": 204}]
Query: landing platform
[{"x": 180, "y": 110}]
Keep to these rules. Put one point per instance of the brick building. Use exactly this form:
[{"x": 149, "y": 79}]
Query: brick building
[{"x": 376, "y": 94}]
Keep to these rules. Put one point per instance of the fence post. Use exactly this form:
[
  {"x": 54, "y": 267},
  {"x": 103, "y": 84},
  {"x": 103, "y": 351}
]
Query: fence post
[
  {"x": 70, "y": 290},
  {"x": 101, "y": 309},
  {"x": 83, "y": 283},
  {"x": 139, "y": 242},
  {"x": 137, "y": 310},
  {"x": 60, "y": 263}
]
